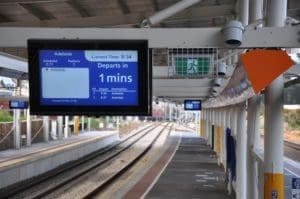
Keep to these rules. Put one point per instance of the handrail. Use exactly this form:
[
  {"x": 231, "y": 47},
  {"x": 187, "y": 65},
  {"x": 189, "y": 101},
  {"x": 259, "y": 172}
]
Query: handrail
[
  {"x": 10, "y": 131},
  {"x": 35, "y": 135}
]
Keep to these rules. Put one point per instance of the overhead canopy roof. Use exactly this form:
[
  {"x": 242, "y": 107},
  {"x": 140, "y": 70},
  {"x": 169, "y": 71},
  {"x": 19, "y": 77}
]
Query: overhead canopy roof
[
  {"x": 121, "y": 13},
  {"x": 108, "y": 13}
]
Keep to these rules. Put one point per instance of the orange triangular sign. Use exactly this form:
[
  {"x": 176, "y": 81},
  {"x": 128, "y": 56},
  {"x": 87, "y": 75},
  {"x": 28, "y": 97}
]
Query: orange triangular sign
[{"x": 263, "y": 66}]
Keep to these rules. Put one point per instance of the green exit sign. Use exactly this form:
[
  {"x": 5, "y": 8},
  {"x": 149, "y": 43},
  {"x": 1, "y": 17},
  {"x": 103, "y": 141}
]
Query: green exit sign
[{"x": 192, "y": 66}]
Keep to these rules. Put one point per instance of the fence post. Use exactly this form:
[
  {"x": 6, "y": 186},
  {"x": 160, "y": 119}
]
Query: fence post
[
  {"x": 46, "y": 128},
  {"x": 17, "y": 130},
  {"x": 28, "y": 128}
]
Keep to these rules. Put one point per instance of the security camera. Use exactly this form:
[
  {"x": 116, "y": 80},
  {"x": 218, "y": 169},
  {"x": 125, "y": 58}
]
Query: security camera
[{"x": 233, "y": 33}]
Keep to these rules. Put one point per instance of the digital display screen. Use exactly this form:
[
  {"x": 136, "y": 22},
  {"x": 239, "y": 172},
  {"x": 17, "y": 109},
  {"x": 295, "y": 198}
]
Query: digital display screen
[
  {"x": 192, "y": 105},
  {"x": 18, "y": 104},
  {"x": 89, "y": 77}
]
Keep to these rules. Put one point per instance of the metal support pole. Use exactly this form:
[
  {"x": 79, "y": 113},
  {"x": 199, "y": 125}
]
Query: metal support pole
[
  {"x": 241, "y": 181},
  {"x": 252, "y": 142},
  {"x": 60, "y": 127},
  {"x": 46, "y": 128},
  {"x": 229, "y": 59},
  {"x": 221, "y": 135},
  {"x": 273, "y": 142},
  {"x": 168, "y": 12},
  {"x": 244, "y": 11},
  {"x": 233, "y": 59},
  {"x": 212, "y": 124},
  {"x": 229, "y": 116},
  {"x": 170, "y": 111},
  {"x": 28, "y": 128},
  {"x": 217, "y": 130},
  {"x": 82, "y": 123},
  {"x": 66, "y": 130},
  {"x": 53, "y": 131},
  {"x": 17, "y": 130},
  {"x": 256, "y": 12},
  {"x": 224, "y": 137},
  {"x": 204, "y": 123},
  {"x": 89, "y": 124},
  {"x": 233, "y": 121},
  {"x": 209, "y": 127},
  {"x": 273, "y": 146},
  {"x": 106, "y": 121}
]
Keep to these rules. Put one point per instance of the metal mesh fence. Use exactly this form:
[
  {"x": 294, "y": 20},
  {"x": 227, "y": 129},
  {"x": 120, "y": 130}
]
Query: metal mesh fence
[{"x": 187, "y": 62}]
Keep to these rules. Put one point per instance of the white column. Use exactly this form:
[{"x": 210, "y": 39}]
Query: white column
[
  {"x": 229, "y": 62},
  {"x": 170, "y": 111},
  {"x": 118, "y": 124},
  {"x": 228, "y": 114},
  {"x": 46, "y": 128},
  {"x": 233, "y": 119},
  {"x": 244, "y": 11},
  {"x": 89, "y": 123},
  {"x": 273, "y": 147},
  {"x": 229, "y": 125},
  {"x": 211, "y": 123},
  {"x": 17, "y": 130},
  {"x": 252, "y": 143},
  {"x": 214, "y": 123},
  {"x": 28, "y": 128},
  {"x": 60, "y": 127},
  {"x": 256, "y": 10},
  {"x": 208, "y": 125},
  {"x": 66, "y": 130},
  {"x": 241, "y": 177},
  {"x": 82, "y": 123},
  {"x": 224, "y": 137},
  {"x": 240, "y": 130},
  {"x": 53, "y": 128}
]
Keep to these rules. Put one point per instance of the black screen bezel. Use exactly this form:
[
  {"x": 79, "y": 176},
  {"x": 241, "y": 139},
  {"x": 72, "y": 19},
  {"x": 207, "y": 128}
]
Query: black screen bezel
[
  {"x": 144, "y": 76},
  {"x": 186, "y": 101}
]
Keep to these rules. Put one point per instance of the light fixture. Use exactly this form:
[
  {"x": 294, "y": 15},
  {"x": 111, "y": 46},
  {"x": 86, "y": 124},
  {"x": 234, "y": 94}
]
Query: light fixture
[
  {"x": 217, "y": 82},
  {"x": 233, "y": 33},
  {"x": 222, "y": 69}
]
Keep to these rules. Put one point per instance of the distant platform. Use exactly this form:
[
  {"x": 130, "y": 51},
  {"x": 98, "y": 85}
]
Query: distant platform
[{"x": 20, "y": 164}]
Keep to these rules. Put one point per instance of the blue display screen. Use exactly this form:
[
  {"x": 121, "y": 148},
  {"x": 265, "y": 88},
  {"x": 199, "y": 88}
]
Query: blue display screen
[
  {"x": 192, "y": 105},
  {"x": 18, "y": 104},
  {"x": 89, "y": 77}
]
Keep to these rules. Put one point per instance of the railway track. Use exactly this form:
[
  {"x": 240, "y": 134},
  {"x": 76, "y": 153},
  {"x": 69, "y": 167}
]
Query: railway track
[
  {"x": 43, "y": 186},
  {"x": 292, "y": 145},
  {"x": 24, "y": 185},
  {"x": 292, "y": 150}
]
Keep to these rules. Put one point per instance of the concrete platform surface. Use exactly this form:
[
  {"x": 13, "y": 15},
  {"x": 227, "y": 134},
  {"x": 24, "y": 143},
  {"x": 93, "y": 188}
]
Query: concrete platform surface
[
  {"x": 20, "y": 164},
  {"x": 193, "y": 172}
]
